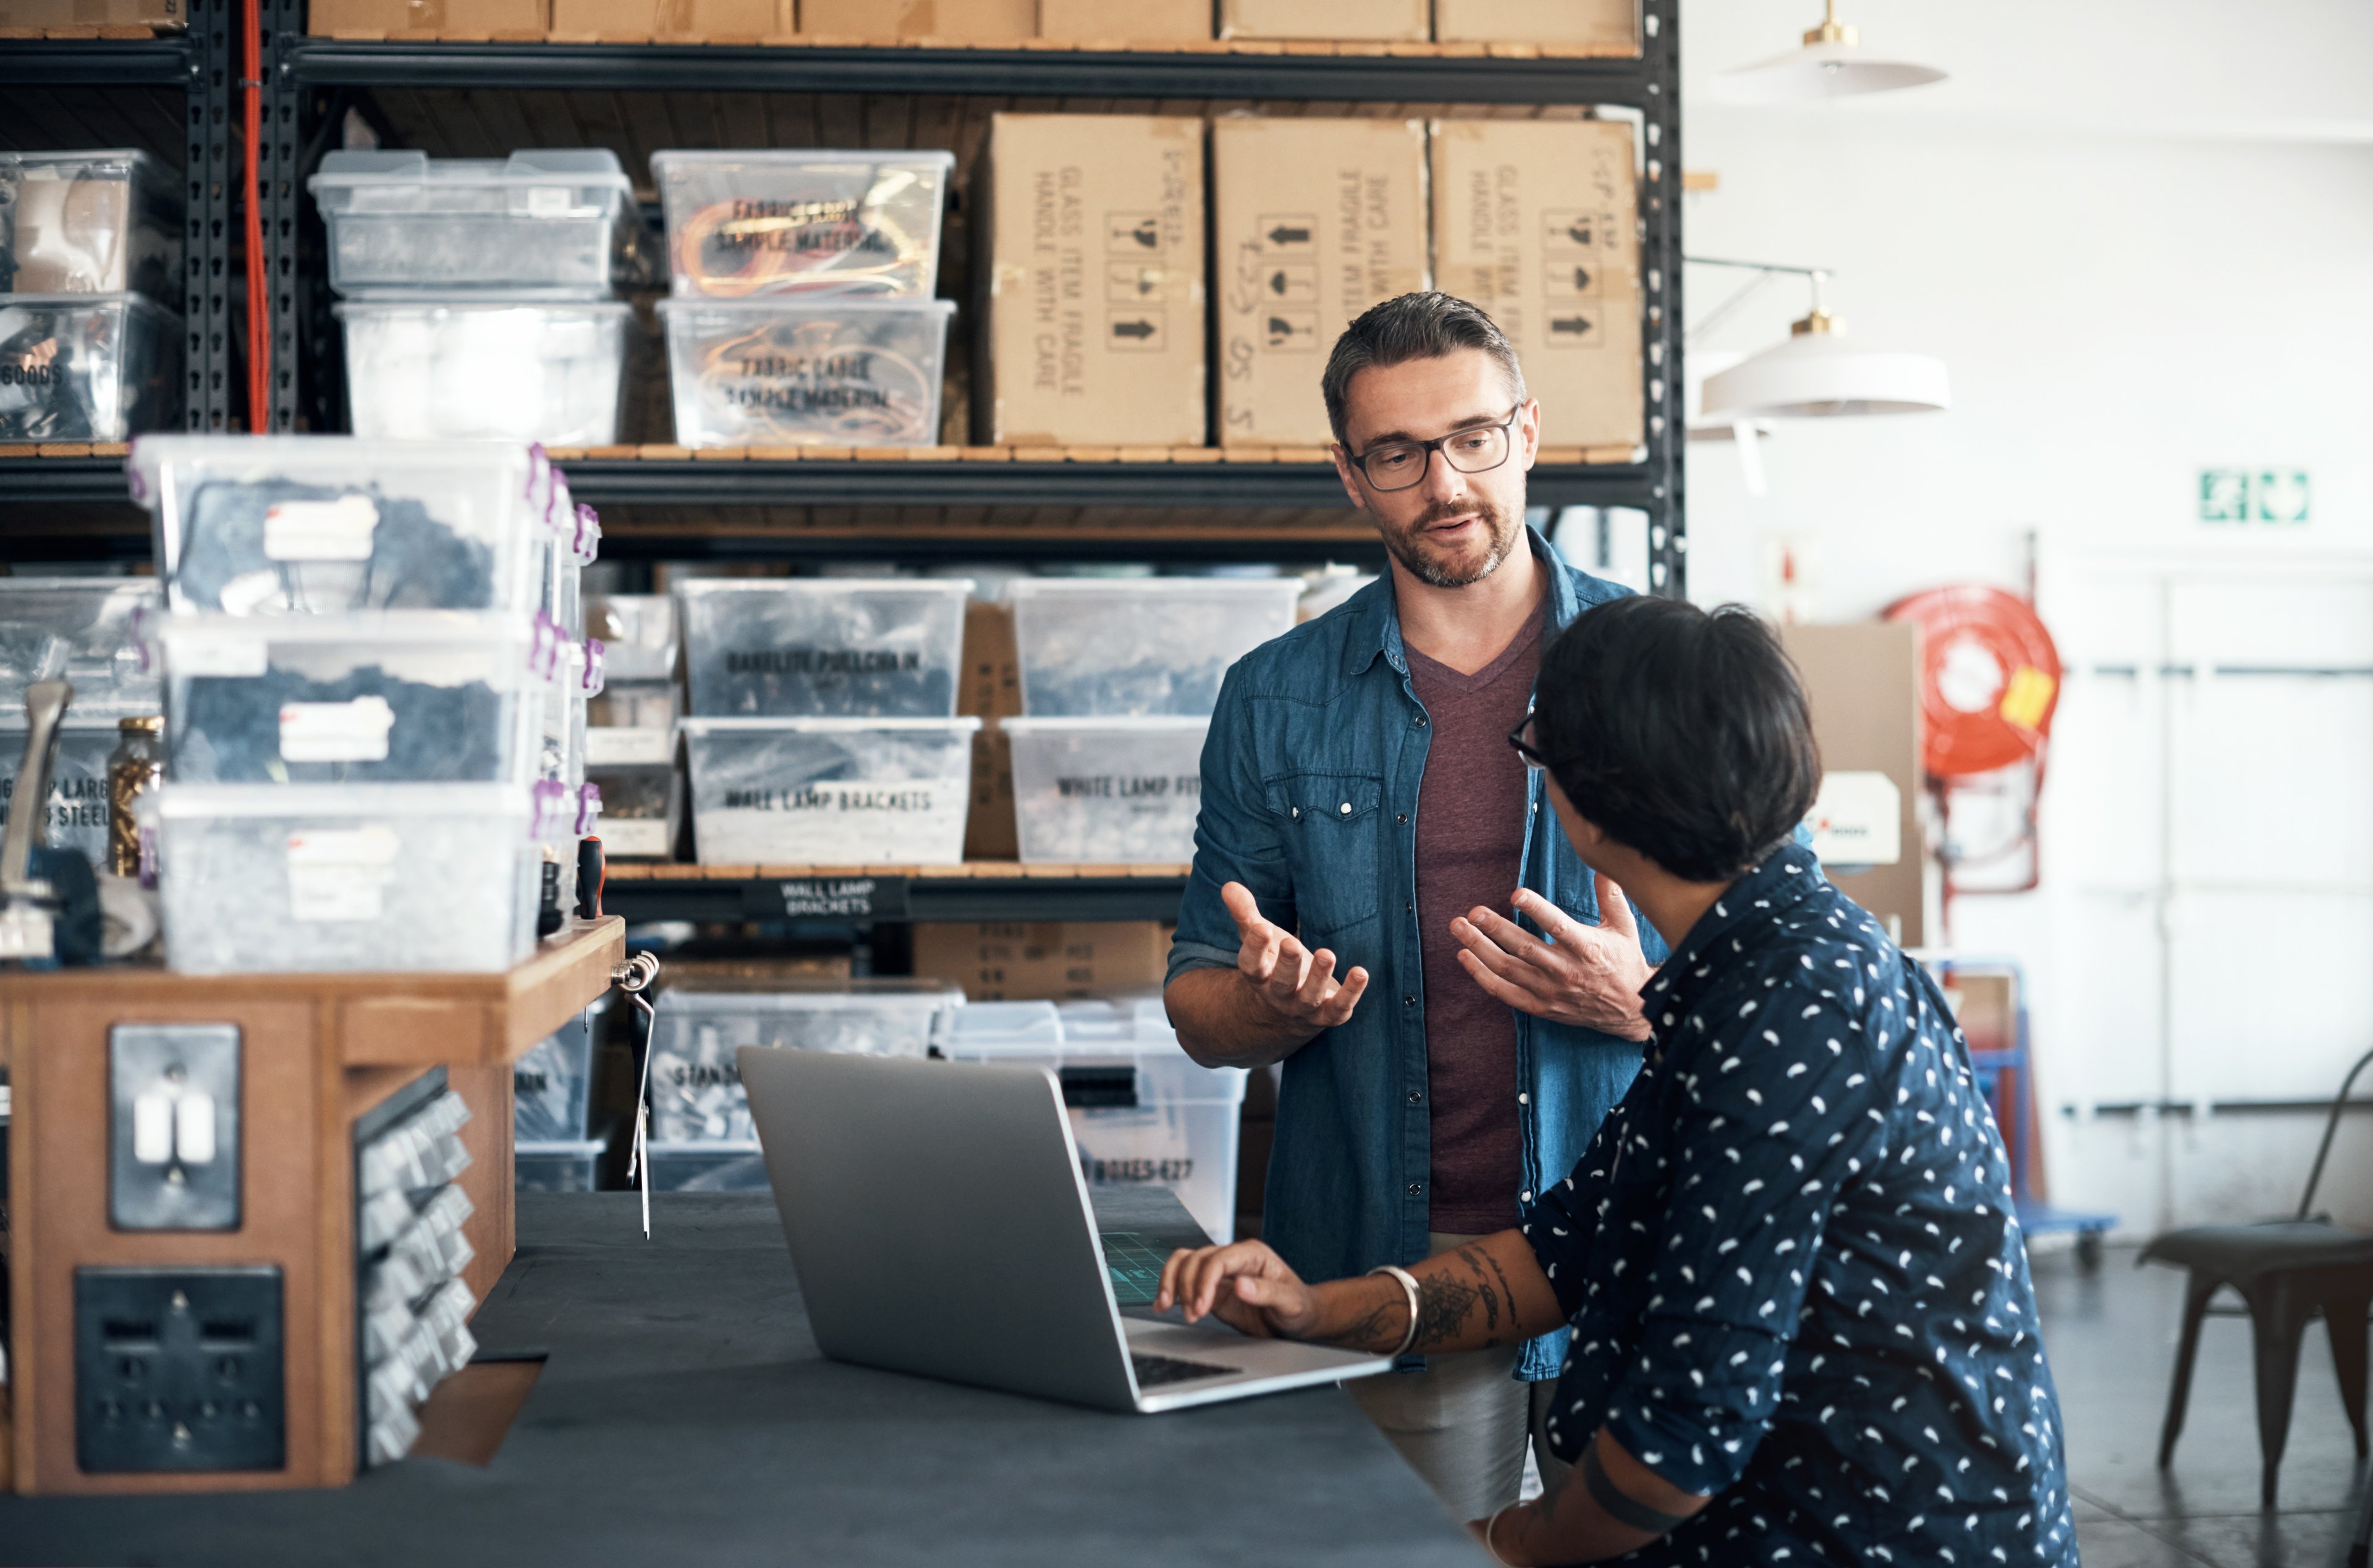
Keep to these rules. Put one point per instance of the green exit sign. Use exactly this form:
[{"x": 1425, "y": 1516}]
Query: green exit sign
[{"x": 2254, "y": 495}]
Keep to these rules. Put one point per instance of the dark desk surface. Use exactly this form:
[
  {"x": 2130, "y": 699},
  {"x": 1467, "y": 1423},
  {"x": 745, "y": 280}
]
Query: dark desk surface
[{"x": 684, "y": 1418}]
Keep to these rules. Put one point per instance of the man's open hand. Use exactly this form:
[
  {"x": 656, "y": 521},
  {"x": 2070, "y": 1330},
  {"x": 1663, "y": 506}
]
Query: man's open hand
[
  {"x": 1589, "y": 975},
  {"x": 1293, "y": 986}
]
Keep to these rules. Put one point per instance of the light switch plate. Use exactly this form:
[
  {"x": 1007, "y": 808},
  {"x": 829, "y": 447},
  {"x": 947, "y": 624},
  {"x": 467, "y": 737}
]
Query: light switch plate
[{"x": 173, "y": 1127}]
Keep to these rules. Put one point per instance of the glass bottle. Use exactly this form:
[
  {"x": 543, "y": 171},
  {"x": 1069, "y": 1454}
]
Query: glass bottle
[{"x": 134, "y": 768}]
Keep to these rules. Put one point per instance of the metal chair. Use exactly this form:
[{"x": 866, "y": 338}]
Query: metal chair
[{"x": 2288, "y": 1272}]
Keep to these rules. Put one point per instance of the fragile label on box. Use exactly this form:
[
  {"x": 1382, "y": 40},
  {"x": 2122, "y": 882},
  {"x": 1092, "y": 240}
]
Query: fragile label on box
[
  {"x": 1095, "y": 286},
  {"x": 1538, "y": 222},
  {"x": 1315, "y": 220}
]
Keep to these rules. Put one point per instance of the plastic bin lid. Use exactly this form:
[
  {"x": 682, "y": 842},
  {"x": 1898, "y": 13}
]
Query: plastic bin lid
[
  {"x": 137, "y": 304},
  {"x": 965, "y": 723},
  {"x": 799, "y": 157},
  {"x": 360, "y": 803},
  {"x": 1125, "y": 724},
  {"x": 982, "y": 1024},
  {"x": 443, "y": 304},
  {"x": 811, "y": 304},
  {"x": 142, "y": 167},
  {"x": 700, "y": 588},
  {"x": 1241, "y": 588},
  {"x": 531, "y": 166},
  {"x": 562, "y": 1148},
  {"x": 793, "y": 994}
]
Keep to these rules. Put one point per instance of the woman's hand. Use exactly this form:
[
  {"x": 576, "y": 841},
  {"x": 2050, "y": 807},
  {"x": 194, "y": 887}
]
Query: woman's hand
[{"x": 1244, "y": 1285}]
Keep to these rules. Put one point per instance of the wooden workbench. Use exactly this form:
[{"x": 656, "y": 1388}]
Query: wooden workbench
[{"x": 317, "y": 1053}]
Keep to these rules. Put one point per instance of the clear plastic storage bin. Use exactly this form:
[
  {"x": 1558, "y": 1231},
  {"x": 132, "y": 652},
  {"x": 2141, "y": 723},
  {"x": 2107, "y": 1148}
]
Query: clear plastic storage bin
[
  {"x": 1108, "y": 647},
  {"x": 281, "y": 525},
  {"x": 566, "y": 1164},
  {"x": 696, "y": 1095},
  {"x": 529, "y": 371},
  {"x": 86, "y": 632},
  {"x": 639, "y": 632},
  {"x": 365, "y": 877},
  {"x": 823, "y": 647},
  {"x": 1107, "y": 790},
  {"x": 544, "y": 221},
  {"x": 1141, "y": 1110},
  {"x": 788, "y": 221},
  {"x": 551, "y": 1085},
  {"x": 77, "y": 786},
  {"x": 823, "y": 372},
  {"x": 402, "y": 697},
  {"x": 708, "y": 1167},
  {"x": 642, "y": 794},
  {"x": 103, "y": 221},
  {"x": 86, "y": 366},
  {"x": 830, "y": 792}
]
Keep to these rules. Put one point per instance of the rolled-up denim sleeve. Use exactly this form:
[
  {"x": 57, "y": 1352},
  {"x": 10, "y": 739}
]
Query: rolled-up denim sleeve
[
  {"x": 1767, "y": 1132},
  {"x": 1235, "y": 840}
]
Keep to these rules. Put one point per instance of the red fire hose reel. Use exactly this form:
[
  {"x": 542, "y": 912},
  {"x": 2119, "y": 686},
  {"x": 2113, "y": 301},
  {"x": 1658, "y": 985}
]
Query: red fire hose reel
[{"x": 1989, "y": 679}]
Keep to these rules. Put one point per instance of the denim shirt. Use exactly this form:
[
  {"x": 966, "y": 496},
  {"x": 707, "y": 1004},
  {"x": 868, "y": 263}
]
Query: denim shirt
[{"x": 1310, "y": 799}]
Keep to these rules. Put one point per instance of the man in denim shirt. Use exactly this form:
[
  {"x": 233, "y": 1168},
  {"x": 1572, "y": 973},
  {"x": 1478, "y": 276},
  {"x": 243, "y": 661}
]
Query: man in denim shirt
[{"x": 1446, "y": 1060}]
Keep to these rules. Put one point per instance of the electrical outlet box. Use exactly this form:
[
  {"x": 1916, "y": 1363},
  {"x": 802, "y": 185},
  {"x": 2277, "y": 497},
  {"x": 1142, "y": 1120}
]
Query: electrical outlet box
[
  {"x": 178, "y": 1369},
  {"x": 173, "y": 1138}
]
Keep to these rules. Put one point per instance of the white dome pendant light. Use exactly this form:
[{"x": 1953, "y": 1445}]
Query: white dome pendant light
[
  {"x": 1819, "y": 373},
  {"x": 1832, "y": 64}
]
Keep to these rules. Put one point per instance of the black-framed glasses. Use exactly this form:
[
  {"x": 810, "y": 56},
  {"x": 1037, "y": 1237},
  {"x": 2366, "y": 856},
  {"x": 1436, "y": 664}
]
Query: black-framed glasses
[
  {"x": 1398, "y": 465},
  {"x": 1524, "y": 748}
]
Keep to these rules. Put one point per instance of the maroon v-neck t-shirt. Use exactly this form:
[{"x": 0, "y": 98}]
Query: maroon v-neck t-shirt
[{"x": 1470, "y": 842}]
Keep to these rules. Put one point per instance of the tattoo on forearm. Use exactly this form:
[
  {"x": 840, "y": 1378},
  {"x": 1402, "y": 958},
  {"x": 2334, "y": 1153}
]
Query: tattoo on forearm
[
  {"x": 1443, "y": 1304},
  {"x": 1380, "y": 1328}
]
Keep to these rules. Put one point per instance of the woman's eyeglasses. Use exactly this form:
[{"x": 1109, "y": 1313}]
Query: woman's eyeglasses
[{"x": 1519, "y": 739}]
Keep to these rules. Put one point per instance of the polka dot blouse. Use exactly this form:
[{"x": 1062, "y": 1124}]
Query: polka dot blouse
[{"x": 1794, "y": 1275}]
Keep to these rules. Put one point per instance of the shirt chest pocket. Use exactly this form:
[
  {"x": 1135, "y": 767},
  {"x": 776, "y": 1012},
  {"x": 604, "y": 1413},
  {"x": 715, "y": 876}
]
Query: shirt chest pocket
[{"x": 1330, "y": 824}]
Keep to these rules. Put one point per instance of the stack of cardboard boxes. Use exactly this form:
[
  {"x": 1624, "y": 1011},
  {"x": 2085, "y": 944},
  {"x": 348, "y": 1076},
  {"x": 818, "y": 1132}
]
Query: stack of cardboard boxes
[{"x": 1091, "y": 303}]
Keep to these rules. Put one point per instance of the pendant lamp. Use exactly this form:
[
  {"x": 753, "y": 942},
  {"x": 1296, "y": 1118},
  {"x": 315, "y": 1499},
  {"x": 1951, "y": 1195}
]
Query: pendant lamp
[
  {"x": 1821, "y": 373},
  {"x": 1830, "y": 65}
]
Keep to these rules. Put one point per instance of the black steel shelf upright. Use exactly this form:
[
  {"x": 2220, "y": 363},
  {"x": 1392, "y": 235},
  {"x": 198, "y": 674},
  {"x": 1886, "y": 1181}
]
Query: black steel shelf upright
[{"x": 201, "y": 63}]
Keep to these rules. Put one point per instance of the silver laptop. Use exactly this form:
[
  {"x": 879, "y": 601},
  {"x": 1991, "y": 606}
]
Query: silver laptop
[{"x": 940, "y": 1225}]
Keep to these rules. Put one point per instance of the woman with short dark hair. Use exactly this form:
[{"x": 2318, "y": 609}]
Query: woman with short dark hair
[{"x": 1803, "y": 1328}]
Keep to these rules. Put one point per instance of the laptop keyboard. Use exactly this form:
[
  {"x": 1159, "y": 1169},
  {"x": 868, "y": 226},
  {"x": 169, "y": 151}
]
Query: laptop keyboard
[
  {"x": 1135, "y": 1266},
  {"x": 1153, "y": 1371}
]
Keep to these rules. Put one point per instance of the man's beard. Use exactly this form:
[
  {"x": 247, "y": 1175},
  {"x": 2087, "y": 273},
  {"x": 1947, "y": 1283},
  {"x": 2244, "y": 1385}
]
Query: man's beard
[{"x": 1408, "y": 545}]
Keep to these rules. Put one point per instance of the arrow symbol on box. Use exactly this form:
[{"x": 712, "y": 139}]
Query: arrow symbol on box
[
  {"x": 1574, "y": 324},
  {"x": 1581, "y": 279},
  {"x": 1281, "y": 235},
  {"x": 1133, "y": 329}
]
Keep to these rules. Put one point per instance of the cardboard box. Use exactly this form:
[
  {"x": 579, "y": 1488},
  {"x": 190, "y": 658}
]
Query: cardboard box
[
  {"x": 1602, "y": 27},
  {"x": 1124, "y": 21},
  {"x": 1091, "y": 305},
  {"x": 991, "y": 690},
  {"x": 1862, "y": 683},
  {"x": 1044, "y": 961},
  {"x": 1315, "y": 220},
  {"x": 1538, "y": 223},
  {"x": 93, "y": 14},
  {"x": 1400, "y": 21},
  {"x": 348, "y": 18},
  {"x": 689, "y": 21},
  {"x": 889, "y": 21}
]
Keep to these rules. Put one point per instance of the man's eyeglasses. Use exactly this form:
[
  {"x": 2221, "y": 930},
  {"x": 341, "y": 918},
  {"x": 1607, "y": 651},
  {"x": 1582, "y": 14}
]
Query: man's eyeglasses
[
  {"x": 1398, "y": 465},
  {"x": 1519, "y": 738}
]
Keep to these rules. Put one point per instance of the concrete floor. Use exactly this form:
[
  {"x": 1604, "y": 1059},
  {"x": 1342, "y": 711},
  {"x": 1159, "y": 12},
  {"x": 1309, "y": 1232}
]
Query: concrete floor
[{"x": 2111, "y": 1340}]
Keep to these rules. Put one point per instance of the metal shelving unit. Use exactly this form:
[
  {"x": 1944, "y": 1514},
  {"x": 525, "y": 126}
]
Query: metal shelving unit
[{"x": 60, "y": 507}]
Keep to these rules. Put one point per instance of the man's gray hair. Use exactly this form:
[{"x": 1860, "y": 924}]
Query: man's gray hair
[{"x": 1415, "y": 326}]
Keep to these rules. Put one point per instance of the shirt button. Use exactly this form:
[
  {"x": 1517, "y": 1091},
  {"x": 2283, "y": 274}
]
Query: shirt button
[
  {"x": 1408, "y": 909},
  {"x": 1416, "y": 1099},
  {"x": 1347, "y": 808},
  {"x": 1297, "y": 811},
  {"x": 1402, "y": 817},
  {"x": 1523, "y": 1099},
  {"x": 1409, "y": 1001},
  {"x": 1420, "y": 721},
  {"x": 1528, "y": 1197},
  {"x": 1417, "y": 1189}
]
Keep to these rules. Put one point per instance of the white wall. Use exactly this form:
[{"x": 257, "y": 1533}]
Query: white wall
[{"x": 2141, "y": 236}]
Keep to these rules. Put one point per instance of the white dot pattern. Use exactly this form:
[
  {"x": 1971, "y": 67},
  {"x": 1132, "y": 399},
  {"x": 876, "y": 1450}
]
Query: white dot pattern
[{"x": 1791, "y": 1262}]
